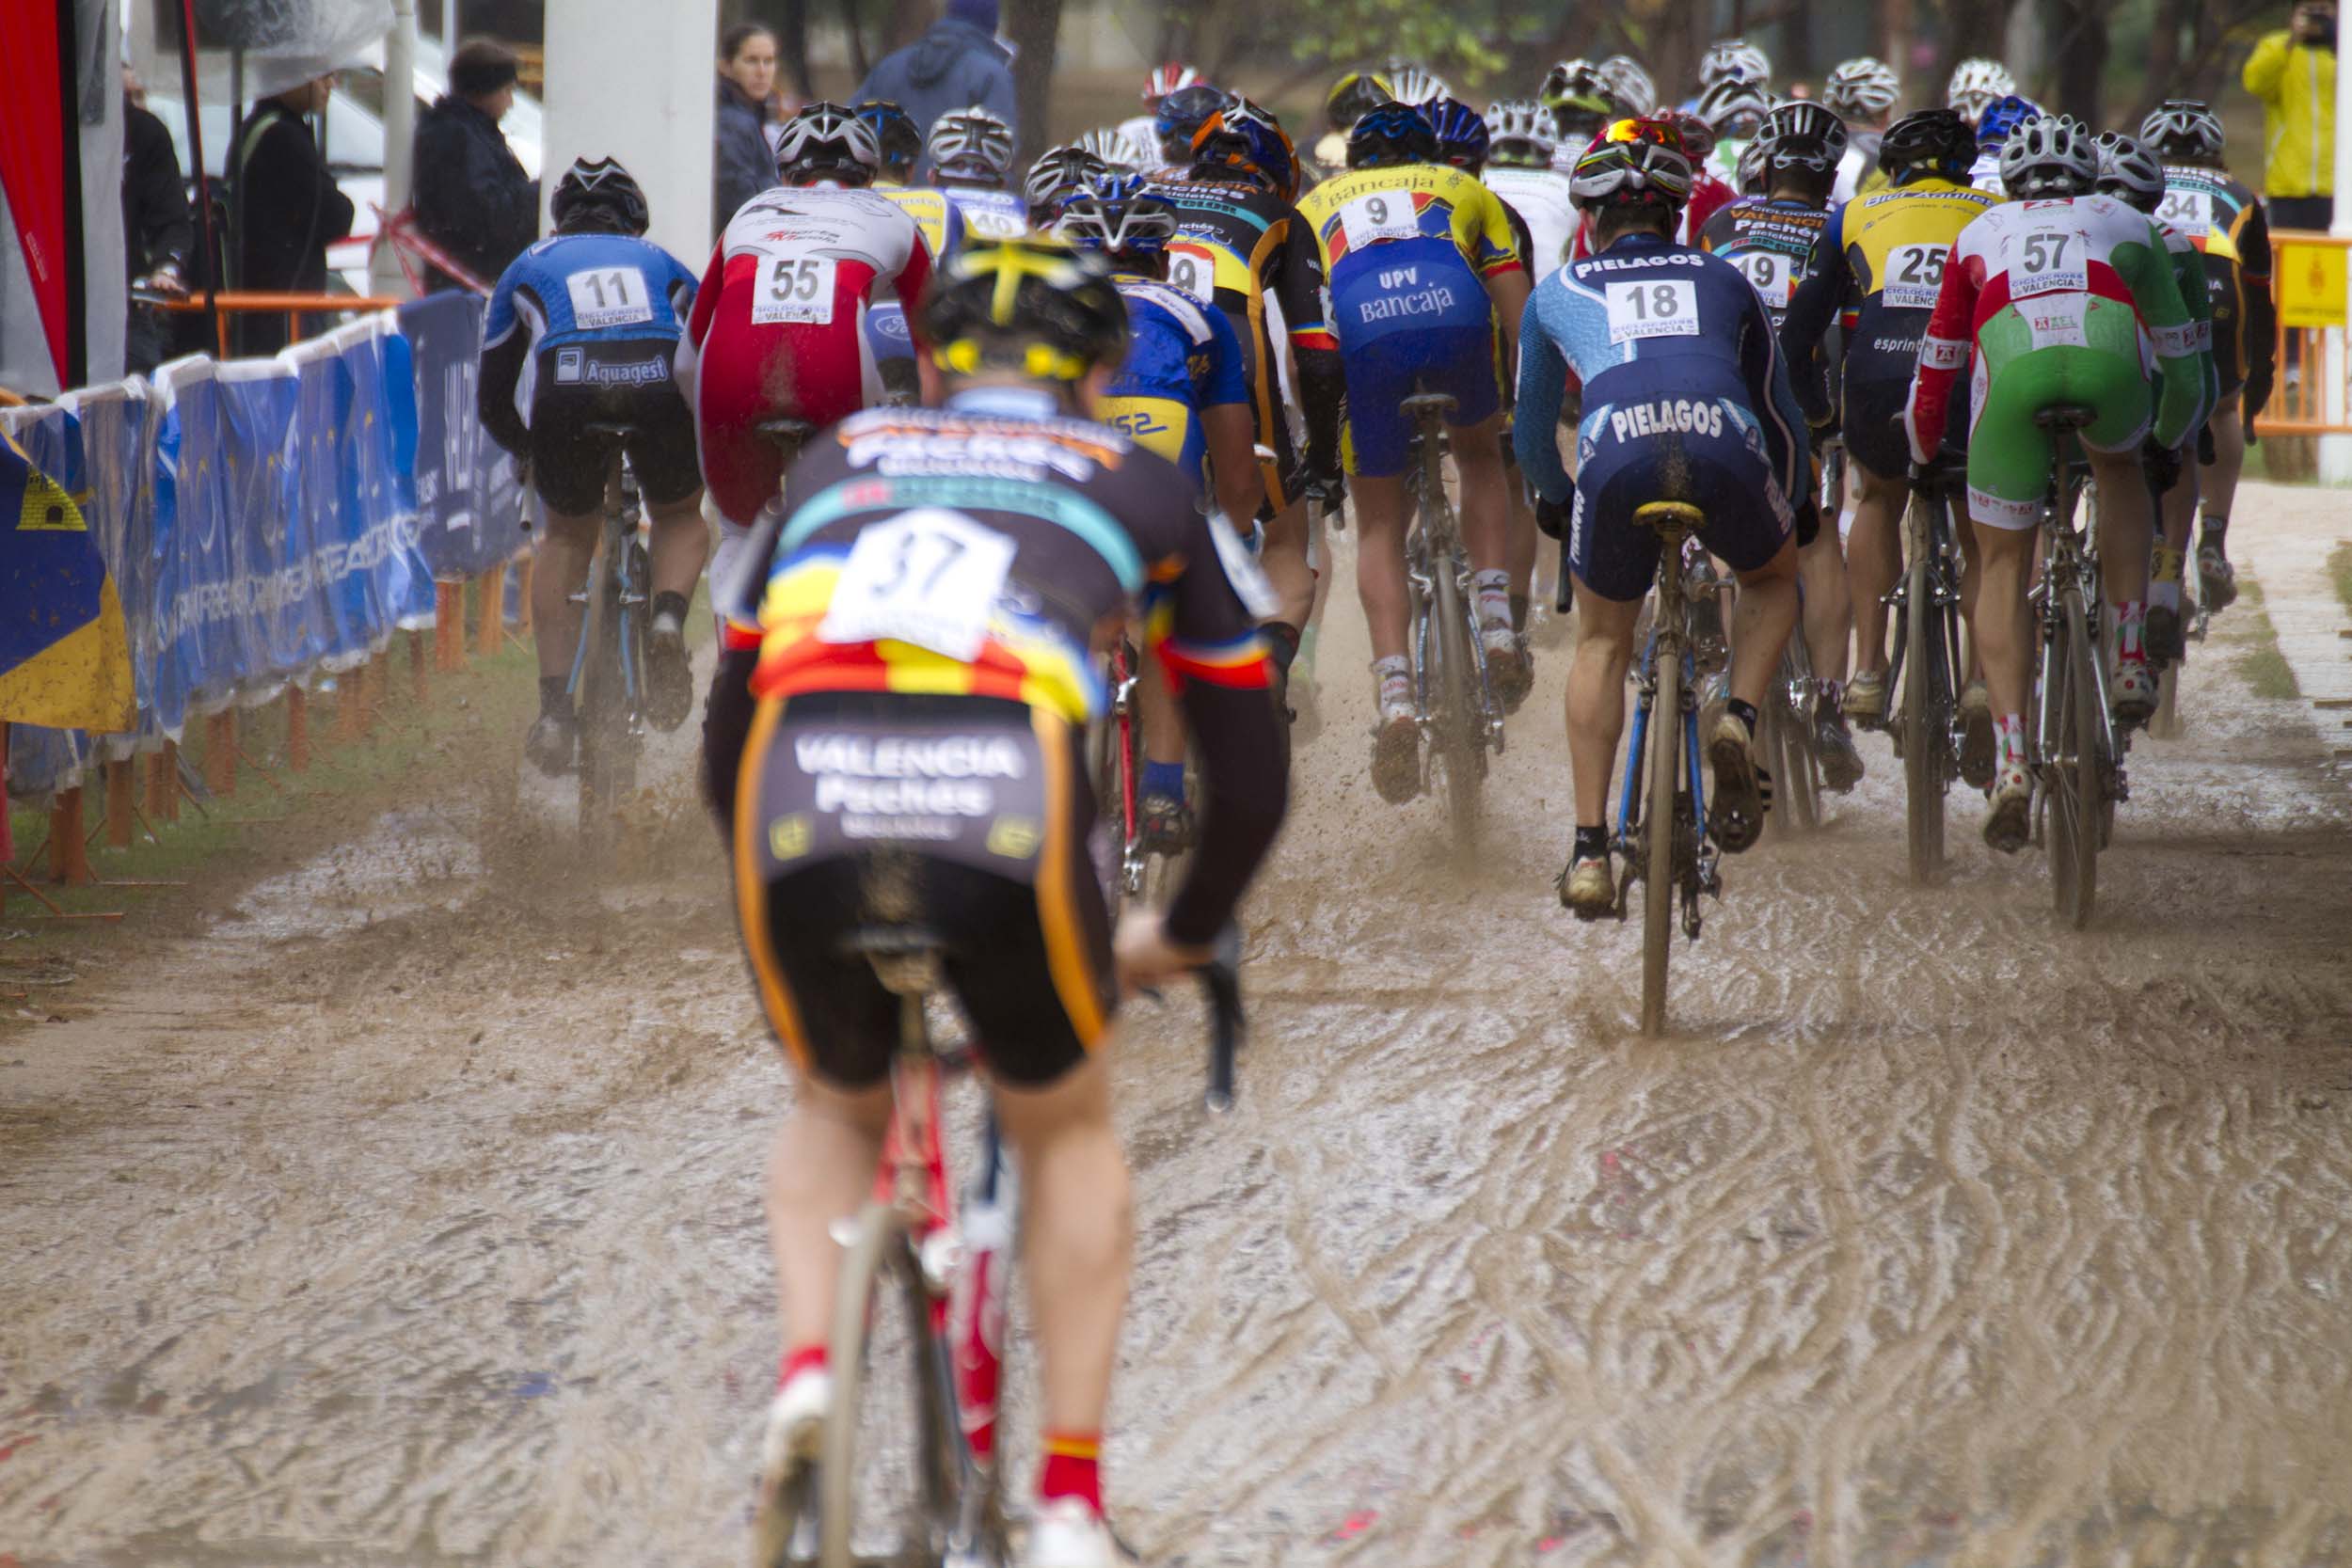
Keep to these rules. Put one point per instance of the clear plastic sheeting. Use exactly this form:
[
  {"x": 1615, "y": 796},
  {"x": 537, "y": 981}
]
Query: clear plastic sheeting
[{"x": 281, "y": 43}]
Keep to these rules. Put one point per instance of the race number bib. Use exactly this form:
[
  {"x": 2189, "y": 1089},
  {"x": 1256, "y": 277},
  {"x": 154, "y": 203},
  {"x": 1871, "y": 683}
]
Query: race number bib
[
  {"x": 1772, "y": 275},
  {"x": 795, "y": 289},
  {"x": 2048, "y": 261},
  {"x": 1666, "y": 308},
  {"x": 1915, "y": 276},
  {"x": 2190, "y": 212},
  {"x": 1384, "y": 216},
  {"x": 987, "y": 222},
  {"x": 1194, "y": 271},
  {"x": 612, "y": 297},
  {"x": 928, "y": 578}
]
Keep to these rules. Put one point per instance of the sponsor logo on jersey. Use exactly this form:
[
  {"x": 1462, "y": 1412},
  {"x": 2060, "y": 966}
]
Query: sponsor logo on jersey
[
  {"x": 1419, "y": 301},
  {"x": 631, "y": 372},
  {"x": 568, "y": 363},
  {"x": 1688, "y": 416},
  {"x": 1638, "y": 263}
]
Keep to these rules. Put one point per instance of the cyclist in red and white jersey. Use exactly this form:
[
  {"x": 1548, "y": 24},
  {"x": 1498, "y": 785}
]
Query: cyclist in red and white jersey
[{"x": 777, "y": 328}]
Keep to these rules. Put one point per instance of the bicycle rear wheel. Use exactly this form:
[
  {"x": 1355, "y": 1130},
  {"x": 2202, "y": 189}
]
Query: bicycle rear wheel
[
  {"x": 606, "y": 772},
  {"x": 1927, "y": 700},
  {"x": 1461, "y": 723},
  {"x": 888, "y": 1494},
  {"x": 1661, "y": 768},
  {"x": 2075, "y": 775}
]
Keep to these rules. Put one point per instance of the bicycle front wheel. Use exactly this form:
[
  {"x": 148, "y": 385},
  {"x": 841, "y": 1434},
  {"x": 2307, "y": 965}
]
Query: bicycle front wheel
[
  {"x": 1462, "y": 725},
  {"x": 1661, "y": 768},
  {"x": 888, "y": 1493},
  {"x": 1927, "y": 700},
  {"x": 2073, "y": 775}
]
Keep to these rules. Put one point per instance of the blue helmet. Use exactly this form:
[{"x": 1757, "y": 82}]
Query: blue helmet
[
  {"x": 1120, "y": 215},
  {"x": 1391, "y": 133},
  {"x": 1183, "y": 113},
  {"x": 1461, "y": 132},
  {"x": 2002, "y": 116}
]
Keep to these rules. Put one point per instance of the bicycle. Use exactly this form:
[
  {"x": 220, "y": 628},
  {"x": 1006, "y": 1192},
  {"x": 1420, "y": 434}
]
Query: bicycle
[
  {"x": 608, "y": 679},
  {"x": 1924, "y": 671},
  {"x": 1118, "y": 776},
  {"x": 1678, "y": 864},
  {"x": 1793, "y": 704},
  {"x": 1459, "y": 716},
  {"x": 2076, "y": 758},
  {"x": 946, "y": 1272}
]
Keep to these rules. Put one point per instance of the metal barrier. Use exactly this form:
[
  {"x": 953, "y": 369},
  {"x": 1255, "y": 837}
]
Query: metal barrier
[
  {"x": 231, "y": 302},
  {"x": 2313, "y": 392}
]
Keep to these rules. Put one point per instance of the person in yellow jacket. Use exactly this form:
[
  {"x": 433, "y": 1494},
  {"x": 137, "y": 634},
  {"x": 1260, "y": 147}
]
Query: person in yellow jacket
[{"x": 2294, "y": 75}]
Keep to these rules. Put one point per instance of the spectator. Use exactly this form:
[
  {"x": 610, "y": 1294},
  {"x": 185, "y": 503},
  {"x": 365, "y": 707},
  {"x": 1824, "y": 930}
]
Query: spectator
[
  {"x": 2294, "y": 73},
  {"x": 957, "y": 64},
  {"x": 285, "y": 208},
  {"x": 158, "y": 231},
  {"x": 472, "y": 197},
  {"x": 747, "y": 75}
]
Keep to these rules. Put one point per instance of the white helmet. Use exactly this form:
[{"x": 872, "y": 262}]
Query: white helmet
[
  {"x": 1116, "y": 147},
  {"x": 1733, "y": 58},
  {"x": 1622, "y": 77},
  {"x": 2183, "y": 128},
  {"x": 971, "y": 144},
  {"x": 827, "y": 141},
  {"x": 1520, "y": 133},
  {"x": 2129, "y": 172},
  {"x": 1861, "y": 88},
  {"x": 2050, "y": 155},
  {"x": 1976, "y": 84},
  {"x": 1415, "y": 85},
  {"x": 1735, "y": 106}
]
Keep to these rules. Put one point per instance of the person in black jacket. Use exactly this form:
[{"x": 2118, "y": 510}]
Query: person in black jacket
[
  {"x": 158, "y": 231},
  {"x": 472, "y": 197},
  {"x": 285, "y": 208},
  {"x": 744, "y": 165}
]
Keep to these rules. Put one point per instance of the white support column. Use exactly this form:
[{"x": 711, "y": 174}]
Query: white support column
[
  {"x": 630, "y": 81},
  {"x": 2335, "y": 452},
  {"x": 384, "y": 275}
]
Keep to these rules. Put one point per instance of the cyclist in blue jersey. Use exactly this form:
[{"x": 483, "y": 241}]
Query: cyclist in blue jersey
[
  {"x": 583, "y": 329},
  {"x": 971, "y": 159},
  {"x": 1182, "y": 393},
  {"x": 1685, "y": 398}
]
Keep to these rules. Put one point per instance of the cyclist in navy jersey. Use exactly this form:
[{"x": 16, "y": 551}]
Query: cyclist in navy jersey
[{"x": 583, "y": 329}]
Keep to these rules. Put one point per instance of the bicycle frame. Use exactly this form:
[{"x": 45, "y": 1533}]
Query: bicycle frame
[
  {"x": 1671, "y": 637},
  {"x": 1124, "y": 720},
  {"x": 1435, "y": 543},
  {"x": 1934, "y": 499},
  {"x": 2069, "y": 559}
]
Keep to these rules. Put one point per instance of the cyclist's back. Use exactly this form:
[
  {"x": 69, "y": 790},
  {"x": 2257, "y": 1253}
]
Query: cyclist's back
[
  {"x": 1183, "y": 357},
  {"x": 1770, "y": 242}
]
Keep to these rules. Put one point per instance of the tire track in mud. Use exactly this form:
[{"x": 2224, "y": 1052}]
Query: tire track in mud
[{"x": 1931, "y": 1235}]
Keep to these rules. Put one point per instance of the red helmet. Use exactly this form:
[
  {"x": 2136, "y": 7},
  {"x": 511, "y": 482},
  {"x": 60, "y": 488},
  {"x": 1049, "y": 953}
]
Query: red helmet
[{"x": 1167, "y": 79}]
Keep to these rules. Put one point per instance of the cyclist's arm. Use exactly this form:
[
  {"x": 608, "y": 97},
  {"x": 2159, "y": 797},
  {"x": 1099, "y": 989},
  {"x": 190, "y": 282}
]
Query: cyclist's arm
[
  {"x": 1314, "y": 349},
  {"x": 507, "y": 346},
  {"x": 2258, "y": 317},
  {"x": 1944, "y": 351},
  {"x": 699, "y": 320},
  {"x": 1229, "y": 429},
  {"x": 1773, "y": 397},
  {"x": 914, "y": 277},
  {"x": 2188, "y": 276},
  {"x": 2267, "y": 65},
  {"x": 1494, "y": 251},
  {"x": 2146, "y": 268},
  {"x": 1810, "y": 311},
  {"x": 1208, "y": 644},
  {"x": 1544, "y": 377}
]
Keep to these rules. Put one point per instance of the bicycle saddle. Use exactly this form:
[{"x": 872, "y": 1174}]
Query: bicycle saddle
[
  {"x": 889, "y": 941},
  {"x": 1669, "y": 516},
  {"x": 787, "y": 433},
  {"x": 1428, "y": 402},
  {"x": 2065, "y": 416},
  {"x": 612, "y": 430}
]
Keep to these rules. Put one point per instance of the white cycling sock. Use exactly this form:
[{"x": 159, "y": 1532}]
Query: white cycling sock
[
  {"x": 1393, "y": 677},
  {"x": 1493, "y": 591}
]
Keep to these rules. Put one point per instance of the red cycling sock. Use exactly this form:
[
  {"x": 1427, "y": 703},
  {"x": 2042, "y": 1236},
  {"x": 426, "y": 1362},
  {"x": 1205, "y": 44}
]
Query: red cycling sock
[
  {"x": 805, "y": 1358},
  {"x": 1074, "y": 1467}
]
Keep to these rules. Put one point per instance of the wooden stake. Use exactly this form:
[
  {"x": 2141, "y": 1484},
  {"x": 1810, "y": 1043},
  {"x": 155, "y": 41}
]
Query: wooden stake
[
  {"x": 119, "y": 794},
  {"x": 220, "y": 752},
  {"x": 169, "y": 770},
  {"x": 67, "y": 856},
  {"x": 525, "y": 566},
  {"x": 350, "y": 704},
  {"x": 297, "y": 728},
  {"x": 490, "y": 614},
  {"x": 448, "y": 625}
]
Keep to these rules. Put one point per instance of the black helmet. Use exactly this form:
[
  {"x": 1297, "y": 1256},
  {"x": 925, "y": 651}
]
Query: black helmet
[
  {"x": 1034, "y": 305},
  {"x": 598, "y": 198},
  {"x": 1389, "y": 134},
  {"x": 1929, "y": 141},
  {"x": 894, "y": 131}
]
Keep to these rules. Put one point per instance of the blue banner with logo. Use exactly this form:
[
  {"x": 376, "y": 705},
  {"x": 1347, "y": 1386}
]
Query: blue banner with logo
[{"x": 468, "y": 497}]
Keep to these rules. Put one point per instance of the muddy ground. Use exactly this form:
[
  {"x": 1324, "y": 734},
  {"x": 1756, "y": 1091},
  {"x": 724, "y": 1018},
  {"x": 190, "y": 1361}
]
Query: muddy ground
[{"x": 402, "y": 1206}]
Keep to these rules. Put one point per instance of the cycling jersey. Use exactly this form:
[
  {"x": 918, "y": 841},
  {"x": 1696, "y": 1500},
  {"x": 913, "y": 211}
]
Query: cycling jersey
[
  {"x": 943, "y": 709},
  {"x": 1685, "y": 397},
  {"x": 2056, "y": 302},
  {"x": 941, "y": 223},
  {"x": 990, "y": 215},
  {"x": 777, "y": 325},
  {"x": 1242, "y": 248},
  {"x": 1858, "y": 171},
  {"x": 1985, "y": 173},
  {"x": 1877, "y": 271},
  {"x": 1182, "y": 358},
  {"x": 1540, "y": 196},
  {"x": 2189, "y": 274},
  {"x": 582, "y": 328},
  {"x": 1408, "y": 250},
  {"x": 2227, "y": 224},
  {"x": 1771, "y": 242}
]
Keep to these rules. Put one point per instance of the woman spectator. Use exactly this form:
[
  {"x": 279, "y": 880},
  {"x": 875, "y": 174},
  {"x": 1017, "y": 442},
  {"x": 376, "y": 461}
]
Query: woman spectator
[{"x": 747, "y": 75}]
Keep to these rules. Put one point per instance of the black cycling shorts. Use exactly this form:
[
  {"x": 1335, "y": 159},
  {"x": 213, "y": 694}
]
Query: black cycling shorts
[
  {"x": 966, "y": 815},
  {"x": 583, "y": 384}
]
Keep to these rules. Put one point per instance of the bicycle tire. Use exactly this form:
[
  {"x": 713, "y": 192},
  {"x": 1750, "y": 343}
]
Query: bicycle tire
[
  {"x": 2075, "y": 784},
  {"x": 1927, "y": 701},
  {"x": 1460, "y": 725},
  {"x": 1661, "y": 770},
  {"x": 879, "y": 1257},
  {"x": 1802, "y": 769},
  {"x": 601, "y": 720}
]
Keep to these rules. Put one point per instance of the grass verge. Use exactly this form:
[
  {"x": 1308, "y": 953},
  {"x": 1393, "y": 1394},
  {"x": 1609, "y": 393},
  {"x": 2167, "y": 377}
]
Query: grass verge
[{"x": 2260, "y": 663}]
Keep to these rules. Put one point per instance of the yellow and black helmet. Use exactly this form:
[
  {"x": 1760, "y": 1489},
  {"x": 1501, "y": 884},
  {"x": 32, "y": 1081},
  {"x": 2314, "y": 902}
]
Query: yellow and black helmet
[
  {"x": 1034, "y": 304},
  {"x": 1351, "y": 95}
]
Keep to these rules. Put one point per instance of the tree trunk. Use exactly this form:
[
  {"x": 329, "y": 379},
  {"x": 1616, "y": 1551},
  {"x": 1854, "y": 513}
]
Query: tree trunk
[
  {"x": 860, "y": 63},
  {"x": 789, "y": 18},
  {"x": 2078, "y": 43},
  {"x": 1035, "y": 33}
]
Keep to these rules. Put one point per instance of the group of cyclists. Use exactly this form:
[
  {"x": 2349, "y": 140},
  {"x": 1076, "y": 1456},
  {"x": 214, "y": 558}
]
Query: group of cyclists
[{"x": 1120, "y": 391}]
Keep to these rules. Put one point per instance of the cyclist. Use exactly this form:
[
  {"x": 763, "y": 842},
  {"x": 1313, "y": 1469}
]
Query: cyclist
[
  {"x": 582, "y": 328},
  {"x": 1144, "y": 129},
  {"x": 776, "y": 328},
  {"x": 1976, "y": 86},
  {"x": 1994, "y": 128},
  {"x": 2130, "y": 173},
  {"x": 1709, "y": 192},
  {"x": 1861, "y": 93},
  {"x": 930, "y": 727},
  {"x": 1876, "y": 272},
  {"x": 2225, "y": 221},
  {"x": 1349, "y": 97},
  {"x": 2068, "y": 298},
  {"x": 1685, "y": 397},
  {"x": 1182, "y": 393},
  {"x": 894, "y": 134},
  {"x": 1059, "y": 173},
  {"x": 1123, "y": 153},
  {"x": 1626, "y": 84},
  {"x": 1519, "y": 148},
  {"x": 970, "y": 153},
  {"x": 1772, "y": 240},
  {"x": 1421, "y": 261},
  {"x": 1736, "y": 107},
  {"x": 1729, "y": 59},
  {"x": 1182, "y": 114},
  {"x": 1245, "y": 248}
]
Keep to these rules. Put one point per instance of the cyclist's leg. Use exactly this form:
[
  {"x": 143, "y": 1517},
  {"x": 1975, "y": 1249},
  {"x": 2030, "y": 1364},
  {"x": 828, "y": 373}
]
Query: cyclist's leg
[
  {"x": 2009, "y": 471},
  {"x": 567, "y": 470},
  {"x": 2219, "y": 484},
  {"x": 1827, "y": 606},
  {"x": 1378, "y": 452},
  {"x": 2112, "y": 384},
  {"x": 1613, "y": 562},
  {"x": 1874, "y": 560},
  {"x": 668, "y": 478}
]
